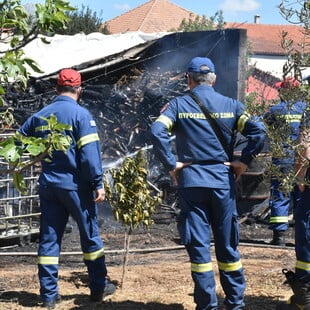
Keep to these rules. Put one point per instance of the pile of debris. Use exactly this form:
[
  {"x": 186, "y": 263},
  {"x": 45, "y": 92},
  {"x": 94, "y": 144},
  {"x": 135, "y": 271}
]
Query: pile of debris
[
  {"x": 124, "y": 106},
  {"x": 123, "y": 110}
]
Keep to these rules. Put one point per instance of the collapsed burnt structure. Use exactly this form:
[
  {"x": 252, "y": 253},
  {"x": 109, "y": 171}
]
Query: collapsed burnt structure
[{"x": 126, "y": 91}]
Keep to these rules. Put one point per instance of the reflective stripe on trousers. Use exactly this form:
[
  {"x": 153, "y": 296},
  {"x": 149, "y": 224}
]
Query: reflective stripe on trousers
[
  {"x": 56, "y": 204},
  {"x": 201, "y": 209}
]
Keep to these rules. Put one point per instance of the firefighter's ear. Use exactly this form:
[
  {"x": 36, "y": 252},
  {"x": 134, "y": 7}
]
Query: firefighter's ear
[
  {"x": 214, "y": 80},
  {"x": 190, "y": 82},
  {"x": 79, "y": 90}
]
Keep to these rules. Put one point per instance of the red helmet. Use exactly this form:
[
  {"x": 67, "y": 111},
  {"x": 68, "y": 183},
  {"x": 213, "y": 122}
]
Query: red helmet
[{"x": 288, "y": 82}]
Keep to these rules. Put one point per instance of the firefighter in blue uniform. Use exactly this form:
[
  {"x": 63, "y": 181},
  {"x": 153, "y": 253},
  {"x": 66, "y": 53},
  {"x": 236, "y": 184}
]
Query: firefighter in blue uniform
[
  {"x": 284, "y": 118},
  {"x": 300, "y": 279},
  {"x": 206, "y": 181},
  {"x": 70, "y": 184}
]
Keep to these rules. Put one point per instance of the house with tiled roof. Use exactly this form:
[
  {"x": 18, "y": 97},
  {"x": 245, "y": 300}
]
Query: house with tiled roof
[
  {"x": 267, "y": 55},
  {"x": 152, "y": 16},
  {"x": 264, "y": 41},
  {"x": 265, "y": 47}
]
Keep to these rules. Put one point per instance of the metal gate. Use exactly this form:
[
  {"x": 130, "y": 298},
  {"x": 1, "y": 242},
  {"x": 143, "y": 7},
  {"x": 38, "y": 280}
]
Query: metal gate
[{"x": 19, "y": 214}]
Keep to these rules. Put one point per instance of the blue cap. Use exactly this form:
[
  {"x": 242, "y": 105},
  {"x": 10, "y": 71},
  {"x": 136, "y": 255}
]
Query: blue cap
[{"x": 201, "y": 65}]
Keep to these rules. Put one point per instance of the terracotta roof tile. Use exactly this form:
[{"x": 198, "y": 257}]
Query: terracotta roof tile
[
  {"x": 152, "y": 16},
  {"x": 162, "y": 15},
  {"x": 266, "y": 39}
]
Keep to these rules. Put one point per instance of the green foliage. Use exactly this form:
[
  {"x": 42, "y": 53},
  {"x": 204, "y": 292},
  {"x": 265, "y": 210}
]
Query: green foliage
[
  {"x": 129, "y": 194},
  {"x": 13, "y": 16},
  {"x": 278, "y": 134},
  {"x": 202, "y": 23},
  {"x": 296, "y": 12},
  {"x": 16, "y": 32},
  {"x": 256, "y": 105},
  {"x": 15, "y": 68},
  {"x": 51, "y": 16},
  {"x": 14, "y": 149},
  {"x": 6, "y": 119},
  {"x": 85, "y": 21},
  {"x": 105, "y": 29}
]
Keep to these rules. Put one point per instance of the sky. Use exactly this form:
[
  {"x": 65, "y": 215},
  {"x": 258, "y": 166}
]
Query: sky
[
  {"x": 241, "y": 11},
  {"x": 233, "y": 10}
]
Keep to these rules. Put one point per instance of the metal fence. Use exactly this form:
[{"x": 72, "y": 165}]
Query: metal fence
[{"x": 19, "y": 214}]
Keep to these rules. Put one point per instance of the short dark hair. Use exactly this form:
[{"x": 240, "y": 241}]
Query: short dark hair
[{"x": 67, "y": 89}]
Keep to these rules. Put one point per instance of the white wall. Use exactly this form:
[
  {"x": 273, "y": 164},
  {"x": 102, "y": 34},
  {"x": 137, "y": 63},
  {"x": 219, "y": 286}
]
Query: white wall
[{"x": 272, "y": 64}]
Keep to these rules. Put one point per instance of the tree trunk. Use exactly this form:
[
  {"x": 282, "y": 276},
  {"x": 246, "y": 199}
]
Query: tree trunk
[{"x": 126, "y": 254}]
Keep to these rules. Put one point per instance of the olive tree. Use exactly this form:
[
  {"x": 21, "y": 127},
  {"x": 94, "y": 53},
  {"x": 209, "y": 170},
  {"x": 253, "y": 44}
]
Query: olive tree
[
  {"x": 130, "y": 195},
  {"x": 297, "y": 58},
  {"x": 83, "y": 20},
  {"x": 202, "y": 22}
]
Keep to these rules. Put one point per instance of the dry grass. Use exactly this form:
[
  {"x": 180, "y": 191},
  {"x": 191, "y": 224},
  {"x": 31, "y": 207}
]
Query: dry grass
[{"x": 163, "y": 284}]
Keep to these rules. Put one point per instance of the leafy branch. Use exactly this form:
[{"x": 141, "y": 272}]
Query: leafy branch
[
  {"x": 16, "y": 32},
  {"x": 18, "y": 148},
  {"x": 17, "y": 29},
  {"x": 202, "y": 22}
]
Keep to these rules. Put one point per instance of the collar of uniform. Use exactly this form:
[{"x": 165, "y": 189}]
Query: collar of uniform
[
  {"x": 65, "y": 98},
  {"x": 203, "y": 88}
]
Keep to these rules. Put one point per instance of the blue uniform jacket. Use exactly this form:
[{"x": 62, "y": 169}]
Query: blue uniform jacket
[
  {"x": 289, "y": 114},
  {"x": 196, "y": 141},
  {"x": 81, "y": 166}
]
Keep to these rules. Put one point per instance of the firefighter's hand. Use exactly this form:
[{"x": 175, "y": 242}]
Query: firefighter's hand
[
  {"x": 301, "y": 187},
  {"x": 238, "y": 167},
  {"x": 175, "y": 172},
  {"x": 300, "y": 183},
  {"x": 100, "y": 195}
]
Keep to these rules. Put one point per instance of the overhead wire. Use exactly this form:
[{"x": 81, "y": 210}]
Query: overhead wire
[{"x": 87, "y": 82}]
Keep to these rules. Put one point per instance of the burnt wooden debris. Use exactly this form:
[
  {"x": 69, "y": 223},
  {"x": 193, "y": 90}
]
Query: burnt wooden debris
[{"x": 124, "y": 106}]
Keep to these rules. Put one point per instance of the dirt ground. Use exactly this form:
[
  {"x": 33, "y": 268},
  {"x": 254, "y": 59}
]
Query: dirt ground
[{"x": 157, "y": 276}]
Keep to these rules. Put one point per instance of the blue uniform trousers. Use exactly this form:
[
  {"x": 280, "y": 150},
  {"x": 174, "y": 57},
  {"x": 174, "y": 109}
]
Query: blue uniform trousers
[
  {"x": 56, "y": 205},
  {"x": 302, "y": 237},
  {"x": 204, "y": 210},
  {"x": 280, "y": 203}
]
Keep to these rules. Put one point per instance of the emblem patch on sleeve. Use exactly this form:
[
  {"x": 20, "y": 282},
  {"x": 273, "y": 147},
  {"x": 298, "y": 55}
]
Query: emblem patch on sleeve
[{"x": 92, "y": 123}]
